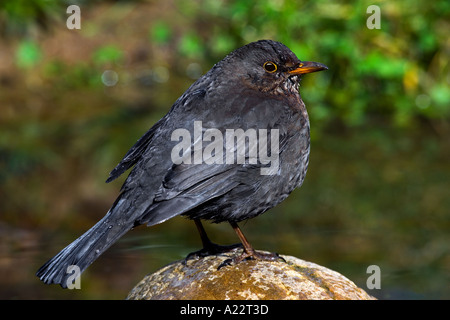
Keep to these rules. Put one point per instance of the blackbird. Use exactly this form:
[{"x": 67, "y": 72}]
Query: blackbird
[{"x": 234, "y": 145}]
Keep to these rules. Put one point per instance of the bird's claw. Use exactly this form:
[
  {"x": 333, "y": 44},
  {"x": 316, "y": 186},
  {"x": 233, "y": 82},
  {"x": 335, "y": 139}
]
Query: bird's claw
[
  {"x": 254, "y": 255},
  {"x": 211, "y": 249}
]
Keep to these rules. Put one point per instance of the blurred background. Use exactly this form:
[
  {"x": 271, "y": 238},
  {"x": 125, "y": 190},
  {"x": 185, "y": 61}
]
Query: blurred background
[{"x": 74, "y": 101}]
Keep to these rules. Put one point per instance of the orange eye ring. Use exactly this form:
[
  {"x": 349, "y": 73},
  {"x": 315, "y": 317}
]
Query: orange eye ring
[{"x": 269, "y": 66}]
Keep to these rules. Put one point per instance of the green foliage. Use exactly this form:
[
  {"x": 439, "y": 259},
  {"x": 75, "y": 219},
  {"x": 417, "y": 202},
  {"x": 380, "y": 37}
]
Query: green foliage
[
  {"x": 190, "y": 45},
  {"x": 384, "y": 73},
  {"x": 19, "y": 17},
  {"x": 398, "y": 73},
  {"x": 28, "y": 54},
  {"x": 160, "y": 33},
  {"x": 107, "y": 55}
]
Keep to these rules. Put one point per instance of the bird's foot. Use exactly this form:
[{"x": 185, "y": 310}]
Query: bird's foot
[
  {"x": 211, "y": 249},
  {"x": 252, "y": 254}
]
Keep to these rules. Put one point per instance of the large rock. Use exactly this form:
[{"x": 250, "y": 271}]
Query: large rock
[{"x": 252, "y": 279}]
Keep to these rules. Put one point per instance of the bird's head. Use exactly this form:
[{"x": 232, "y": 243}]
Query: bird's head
[{"x": 267, "y": 66}]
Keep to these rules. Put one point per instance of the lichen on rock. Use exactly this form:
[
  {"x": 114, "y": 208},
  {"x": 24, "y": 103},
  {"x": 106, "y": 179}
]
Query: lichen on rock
[{"x": 199, "y": 279}]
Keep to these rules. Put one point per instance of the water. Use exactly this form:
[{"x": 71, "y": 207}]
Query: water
[{"x": 366, "y": 201}]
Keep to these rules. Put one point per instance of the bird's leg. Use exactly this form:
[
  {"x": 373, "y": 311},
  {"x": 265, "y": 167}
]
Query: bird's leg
[
  {"x": 249, "y": 252},
  {"x": 209, "y": 247},
  {"x": 203, "y": 236}
]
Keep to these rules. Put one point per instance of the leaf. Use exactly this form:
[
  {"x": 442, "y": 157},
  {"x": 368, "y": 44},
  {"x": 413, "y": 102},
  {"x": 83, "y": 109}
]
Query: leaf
[
  {"x": 107, "y": 54},
  {"x": 190, "y": 45},
  {"x": 160, "y": 32},
  {"x": 28, "y": 54}
]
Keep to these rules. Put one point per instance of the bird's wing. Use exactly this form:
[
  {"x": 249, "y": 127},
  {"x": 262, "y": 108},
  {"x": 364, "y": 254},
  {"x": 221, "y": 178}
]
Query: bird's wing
[
  {"x": 187, "y": 186},
  {"x": 142, "y": 145},
  {"x": 134, "y": 154}
]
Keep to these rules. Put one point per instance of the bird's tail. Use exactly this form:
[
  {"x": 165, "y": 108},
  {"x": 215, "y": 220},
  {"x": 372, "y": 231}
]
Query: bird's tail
[{"x": 83, "y": 251}]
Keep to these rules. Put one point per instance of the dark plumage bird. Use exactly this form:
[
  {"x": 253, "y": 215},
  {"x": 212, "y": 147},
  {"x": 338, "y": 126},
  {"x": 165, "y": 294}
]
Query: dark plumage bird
[{"x": 196, "y": 171}]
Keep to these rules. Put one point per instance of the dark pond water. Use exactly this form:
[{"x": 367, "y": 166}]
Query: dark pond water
[{"x": 368, "y": 199}]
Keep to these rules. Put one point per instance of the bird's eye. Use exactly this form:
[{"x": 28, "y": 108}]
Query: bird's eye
[{"x": 269, "y": 66}]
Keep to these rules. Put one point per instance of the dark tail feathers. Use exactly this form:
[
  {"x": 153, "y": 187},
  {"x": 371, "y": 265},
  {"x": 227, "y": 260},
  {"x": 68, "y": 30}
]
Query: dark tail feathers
[{"x": 82, "y": 252}]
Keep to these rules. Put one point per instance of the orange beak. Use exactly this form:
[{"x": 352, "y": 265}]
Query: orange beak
[{"x": 308, "y": 67}]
